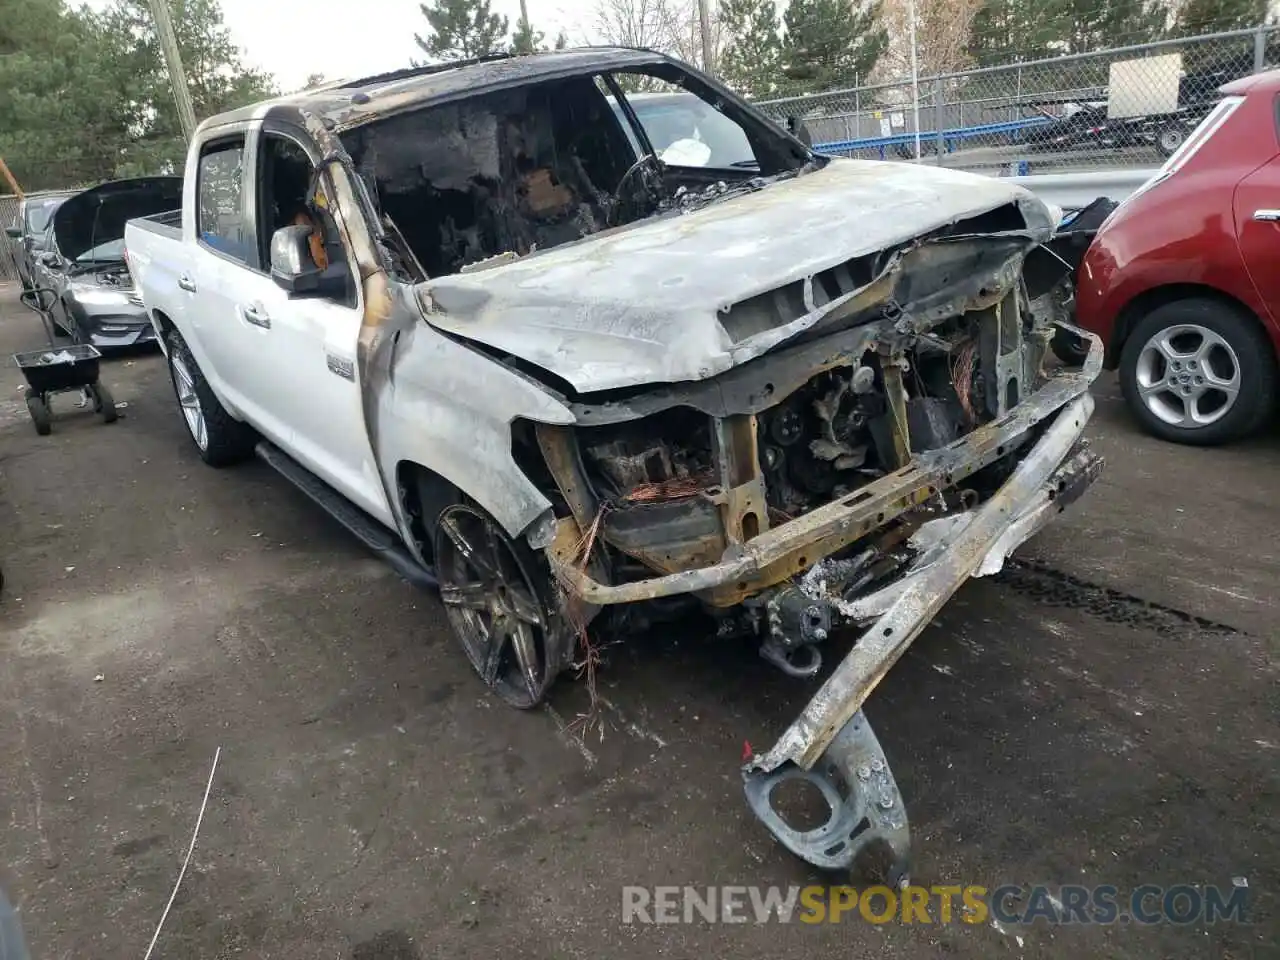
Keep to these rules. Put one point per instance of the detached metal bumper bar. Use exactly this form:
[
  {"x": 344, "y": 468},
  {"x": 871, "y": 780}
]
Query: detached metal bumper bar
[{"x": 831, "y": 744}]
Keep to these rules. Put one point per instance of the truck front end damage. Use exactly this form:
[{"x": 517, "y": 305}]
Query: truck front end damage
[
  {"x": 799, "y": 401},
  {"x": 855, "y": 475}
]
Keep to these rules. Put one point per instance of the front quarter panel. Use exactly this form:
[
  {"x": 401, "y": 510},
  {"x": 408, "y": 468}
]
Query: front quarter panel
[{"x": 449, "y": 408}]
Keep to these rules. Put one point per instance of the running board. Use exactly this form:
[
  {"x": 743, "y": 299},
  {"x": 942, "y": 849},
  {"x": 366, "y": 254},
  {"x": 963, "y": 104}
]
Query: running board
[{"x": 365, "y": 529}]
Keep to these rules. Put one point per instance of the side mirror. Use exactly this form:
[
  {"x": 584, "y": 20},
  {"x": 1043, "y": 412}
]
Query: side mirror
[
  {"x": 293, "y": 270},
  {"x": 13, "y": 233}
]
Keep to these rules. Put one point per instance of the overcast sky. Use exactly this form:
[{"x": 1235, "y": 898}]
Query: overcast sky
[{"x": 350, "y": 38}]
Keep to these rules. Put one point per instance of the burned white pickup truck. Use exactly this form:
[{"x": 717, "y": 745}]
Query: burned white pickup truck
[{"x": 586, "y": 378}]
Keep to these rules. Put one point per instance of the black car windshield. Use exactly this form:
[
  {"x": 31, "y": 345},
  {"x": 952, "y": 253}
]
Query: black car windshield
[
  {"x": 113, "y": 250},
  {"x": 40, "y": 212}
]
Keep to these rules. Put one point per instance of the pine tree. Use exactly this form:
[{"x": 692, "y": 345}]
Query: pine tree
[
  {"x": 87, "y": 96},
  {"x": 750, "y": 60},
  {"x": 1005, "y": 31},
  {"x": 461, "y": 29},
  {"x": 525, "y": 39},
  {"x": 1083, "y": 26},
  {"x": 138, "y": 81},
  {"x": 1210, "y": 16},
  {"x": 830, "y": 44}
]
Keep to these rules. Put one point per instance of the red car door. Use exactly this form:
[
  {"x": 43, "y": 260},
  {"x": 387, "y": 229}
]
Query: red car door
[{"x": 1257, "y": 217}]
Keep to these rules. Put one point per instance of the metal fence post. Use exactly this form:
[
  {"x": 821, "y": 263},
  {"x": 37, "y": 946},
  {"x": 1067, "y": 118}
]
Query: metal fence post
[
  {"x": 1017, "y": 101},
  {"x": 1260, "y": 48},
  {"x": 939, "y": 123}
]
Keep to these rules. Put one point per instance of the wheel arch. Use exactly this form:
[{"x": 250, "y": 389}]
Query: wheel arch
[
  {"x": 423, "y": 494},
  {"x": 164, "y": 326},
  {"x": 1133, "y": 312}
]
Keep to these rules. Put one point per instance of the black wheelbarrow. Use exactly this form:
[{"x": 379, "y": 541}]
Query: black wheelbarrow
[{"x": 60, "y": 369}]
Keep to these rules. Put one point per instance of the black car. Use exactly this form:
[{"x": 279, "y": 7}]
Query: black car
[{"x": 89, "y": 290}]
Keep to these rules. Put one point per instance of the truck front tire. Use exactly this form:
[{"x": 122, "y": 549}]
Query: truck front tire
[{"x": 221, "y": 439}]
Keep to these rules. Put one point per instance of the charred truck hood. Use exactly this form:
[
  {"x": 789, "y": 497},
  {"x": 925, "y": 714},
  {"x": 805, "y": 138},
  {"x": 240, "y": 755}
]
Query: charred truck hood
[{"x": 687, "y": 296}]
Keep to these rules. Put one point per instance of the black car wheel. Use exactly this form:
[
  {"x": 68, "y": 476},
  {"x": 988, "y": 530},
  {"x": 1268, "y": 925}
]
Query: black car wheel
[{"x": 1198, "y": 372}]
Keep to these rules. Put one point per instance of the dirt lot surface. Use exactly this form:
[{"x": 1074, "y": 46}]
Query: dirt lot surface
[{"x": 1071, "y": 721}]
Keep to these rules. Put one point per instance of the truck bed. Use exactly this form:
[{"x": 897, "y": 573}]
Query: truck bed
[{"x": 167, "y": 224}]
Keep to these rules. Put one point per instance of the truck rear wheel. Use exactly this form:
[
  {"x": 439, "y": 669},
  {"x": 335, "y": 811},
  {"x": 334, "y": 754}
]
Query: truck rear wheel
[{"x": 221, "y": 439}]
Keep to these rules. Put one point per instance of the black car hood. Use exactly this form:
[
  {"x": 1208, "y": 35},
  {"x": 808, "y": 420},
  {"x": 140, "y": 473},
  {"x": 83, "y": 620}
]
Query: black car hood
[{"x": 98, "y": 215}]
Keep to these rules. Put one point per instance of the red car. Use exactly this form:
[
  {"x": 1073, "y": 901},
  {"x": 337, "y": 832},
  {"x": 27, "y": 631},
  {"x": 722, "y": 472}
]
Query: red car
[{"x": 1182, "y": 282}]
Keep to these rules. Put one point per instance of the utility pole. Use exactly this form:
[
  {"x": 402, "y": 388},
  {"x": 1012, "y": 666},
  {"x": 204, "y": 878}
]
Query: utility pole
[
  {"x": 173, "y": 60},
  {"x": 10, "y": 179},
  {"x": 524, "y": 19},
  {"x": 704, "y": 22}
]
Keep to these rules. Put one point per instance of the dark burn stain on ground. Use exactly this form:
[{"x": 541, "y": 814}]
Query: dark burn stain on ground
[
  {"x": 388, "y": 945},
  {"x": 131, "y": 848}
]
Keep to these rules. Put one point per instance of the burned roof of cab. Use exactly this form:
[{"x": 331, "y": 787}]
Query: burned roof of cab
[{"x": 351, "y": 103}]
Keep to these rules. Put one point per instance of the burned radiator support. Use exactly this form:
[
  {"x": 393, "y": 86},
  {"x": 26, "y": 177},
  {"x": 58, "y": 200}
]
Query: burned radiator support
[
  {"x": 896, "y": 396},
  {"x": 1001, "y": 358},
  {"x": 741, "y": 496}
]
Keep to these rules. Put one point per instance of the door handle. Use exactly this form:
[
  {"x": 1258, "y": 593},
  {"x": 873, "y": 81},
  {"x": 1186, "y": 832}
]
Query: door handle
[
  {"x": 1267, "y": 216},
  {"x": 186, "y": 283},
  {"x": 254, "y": 314}
]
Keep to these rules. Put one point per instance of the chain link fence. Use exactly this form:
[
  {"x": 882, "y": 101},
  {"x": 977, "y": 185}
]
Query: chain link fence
[{"x": 1125, "y": 107}]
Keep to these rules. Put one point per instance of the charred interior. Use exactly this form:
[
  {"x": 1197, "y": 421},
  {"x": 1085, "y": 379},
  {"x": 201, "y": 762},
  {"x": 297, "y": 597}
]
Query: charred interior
[{"x": 539, "y": 165}]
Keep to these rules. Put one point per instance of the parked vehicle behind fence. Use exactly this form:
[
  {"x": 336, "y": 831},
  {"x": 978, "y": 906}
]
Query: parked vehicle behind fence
[
  {"x": 1182, "y": 283},
  {"x": 589, "y": 374}
]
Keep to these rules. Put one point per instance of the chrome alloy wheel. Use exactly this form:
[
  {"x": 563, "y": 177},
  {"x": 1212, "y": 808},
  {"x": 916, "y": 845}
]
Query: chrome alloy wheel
[
  {"x": 1188, "y": 376},
  {"x": 489, "y": 595},
  {"x": 189, "y": 400}
]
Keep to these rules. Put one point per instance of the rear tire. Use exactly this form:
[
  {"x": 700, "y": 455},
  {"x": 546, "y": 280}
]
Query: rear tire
[
  {"x": 1173, "y": 361},
  {"x": 221, "y": 439}
]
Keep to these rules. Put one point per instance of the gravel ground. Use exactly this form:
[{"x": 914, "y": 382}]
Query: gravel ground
[{"x": 1105, "y": 711}]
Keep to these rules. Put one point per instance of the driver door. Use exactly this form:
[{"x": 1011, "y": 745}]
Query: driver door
[{"x": 314, "y": 341}]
